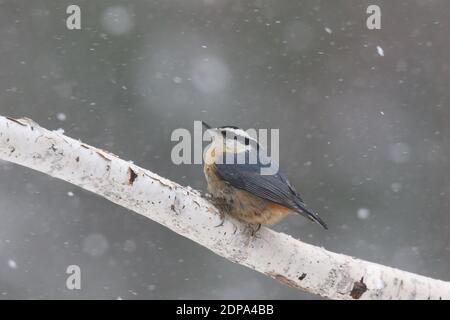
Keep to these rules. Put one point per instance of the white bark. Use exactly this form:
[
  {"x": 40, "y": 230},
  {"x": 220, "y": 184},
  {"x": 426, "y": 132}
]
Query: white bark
[{"x": 184, "y": 211}]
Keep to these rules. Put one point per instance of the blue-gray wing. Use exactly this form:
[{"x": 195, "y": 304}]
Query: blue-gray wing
[
  {"x": 248, "y": 177},
  {"x": 275, "y": 187}
]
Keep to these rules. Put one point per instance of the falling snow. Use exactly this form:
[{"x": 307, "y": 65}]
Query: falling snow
[
  {"x": 356, "y": 131},
  {"x": 396, "y": 187},
  {"x": 177, "y": 80},
  {"x": 95, "y": 245},
  {"x": 12, "y": 264},
  {"x": 210, "y": 74},
  {"x": 61, "y": 116},
  {"x": 380, "y": 51},
  {"x": 363, "y": 213},
  {"x": 129, "y": 246}
]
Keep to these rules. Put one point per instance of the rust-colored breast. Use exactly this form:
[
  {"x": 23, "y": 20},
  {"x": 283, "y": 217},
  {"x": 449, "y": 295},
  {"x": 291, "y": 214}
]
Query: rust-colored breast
[
  {"x": 278, "y": 207},
  {"x": 276, "y": 212},
  {"x": 253, "y": 209},
  {"x": 244, "y": 205}
]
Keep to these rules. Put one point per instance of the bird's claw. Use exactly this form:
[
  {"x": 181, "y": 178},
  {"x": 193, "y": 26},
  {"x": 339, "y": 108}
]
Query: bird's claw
[
  {"x": 253, "y": 230},
  {"x": 222, "y": 219}
]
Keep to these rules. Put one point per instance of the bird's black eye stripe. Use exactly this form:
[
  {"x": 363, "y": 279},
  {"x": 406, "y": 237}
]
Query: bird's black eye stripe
[
  {"x": 235, "y": 138},
  {"x": 232, "y": 135}
]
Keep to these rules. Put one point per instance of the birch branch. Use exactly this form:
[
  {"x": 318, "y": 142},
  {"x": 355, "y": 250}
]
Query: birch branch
[{"x": 184, "y": 211}]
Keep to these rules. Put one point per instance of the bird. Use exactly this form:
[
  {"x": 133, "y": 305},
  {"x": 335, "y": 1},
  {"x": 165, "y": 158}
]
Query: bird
[{"x": 249, "y": 196}]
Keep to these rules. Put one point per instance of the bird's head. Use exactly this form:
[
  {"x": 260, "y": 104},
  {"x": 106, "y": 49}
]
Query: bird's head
[{"x": 231, "y": 139}]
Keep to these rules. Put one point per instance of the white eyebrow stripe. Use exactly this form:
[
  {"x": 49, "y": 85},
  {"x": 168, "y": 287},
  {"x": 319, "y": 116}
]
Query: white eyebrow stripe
[{"x": 238, "y": 132}]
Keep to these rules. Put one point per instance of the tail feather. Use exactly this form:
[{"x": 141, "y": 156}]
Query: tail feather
[{"x": 304, "y": 211}]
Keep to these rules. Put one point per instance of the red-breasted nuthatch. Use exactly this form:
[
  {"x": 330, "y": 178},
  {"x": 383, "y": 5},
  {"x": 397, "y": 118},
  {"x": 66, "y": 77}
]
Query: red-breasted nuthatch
[{"x": 250, "y": 196}]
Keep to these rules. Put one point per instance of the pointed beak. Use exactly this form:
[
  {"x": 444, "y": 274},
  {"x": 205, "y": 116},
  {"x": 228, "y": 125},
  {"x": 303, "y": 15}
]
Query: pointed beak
[{"x": 207, "y": 126}]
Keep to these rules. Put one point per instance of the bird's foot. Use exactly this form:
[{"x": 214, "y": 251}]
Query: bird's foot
[
  {"x": 253, "y": 229},
  {"x": 223, "y": 207},
  {"x": 222, "y": 219}
]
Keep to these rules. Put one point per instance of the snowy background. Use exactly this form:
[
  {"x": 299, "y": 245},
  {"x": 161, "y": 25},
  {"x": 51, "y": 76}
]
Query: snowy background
[{"x": 363, "y": 116}]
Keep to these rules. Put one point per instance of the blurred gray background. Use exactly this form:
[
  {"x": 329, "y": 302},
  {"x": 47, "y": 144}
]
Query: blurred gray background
[{"x": 363, "y": 118}]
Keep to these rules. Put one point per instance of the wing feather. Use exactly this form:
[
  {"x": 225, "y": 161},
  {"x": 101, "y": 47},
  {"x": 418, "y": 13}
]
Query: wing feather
[{"x": 275, "y": 188}]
